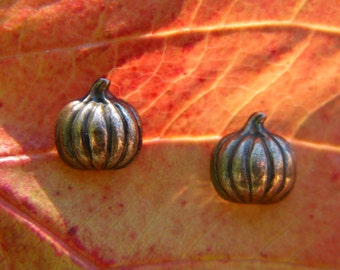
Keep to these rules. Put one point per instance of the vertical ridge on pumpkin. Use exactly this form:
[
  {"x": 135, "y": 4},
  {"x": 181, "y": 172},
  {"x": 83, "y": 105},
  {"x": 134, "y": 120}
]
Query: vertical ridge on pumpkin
[
  {"x": 98, "y": 137},
  {"x": 260, "y": 169},
  {"x": 218, "y": 155},
  {"x": 126, "y": 129},
  {"x": 132, "y": 128},
  {"x": 64, "y": 140},
  {"x": 228, "y": 159},
  {"x": 119, "y": 127},
  {"x": 80, "y": 139},
  {"x": 269, "y": 183},
  {"x": 288, "y": 166},
  {"x": 240, "y": 169}
]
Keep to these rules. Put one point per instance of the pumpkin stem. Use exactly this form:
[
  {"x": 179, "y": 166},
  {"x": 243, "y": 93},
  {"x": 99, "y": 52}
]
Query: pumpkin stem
[
  {"x": 254, "y": 123},
  {"x": 98, "y": 89}
]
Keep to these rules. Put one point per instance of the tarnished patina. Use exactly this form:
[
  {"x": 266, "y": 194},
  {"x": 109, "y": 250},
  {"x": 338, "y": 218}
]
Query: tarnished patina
[
  {"x": 253, "y": 165},
  {"x": 99, "y": 131}
]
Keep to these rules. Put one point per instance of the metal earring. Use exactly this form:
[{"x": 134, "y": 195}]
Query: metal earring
[
  {"x": 99, "y": 131},
  {"x": 253, "y": 165}
]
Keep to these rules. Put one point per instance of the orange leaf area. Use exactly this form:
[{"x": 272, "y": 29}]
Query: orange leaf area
[
  {"x": 195, "y": 71},
  {"x": 162, "y": 210}
]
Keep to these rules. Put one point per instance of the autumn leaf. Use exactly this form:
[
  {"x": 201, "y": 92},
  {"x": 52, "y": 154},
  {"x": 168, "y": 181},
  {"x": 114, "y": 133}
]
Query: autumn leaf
[{"x": 195, "y": 71}]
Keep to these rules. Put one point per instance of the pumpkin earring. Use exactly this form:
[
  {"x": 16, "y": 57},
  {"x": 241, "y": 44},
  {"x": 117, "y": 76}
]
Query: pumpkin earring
[
  {"x": 99, "y": 131},
  {"x": 253, "y": 165}
]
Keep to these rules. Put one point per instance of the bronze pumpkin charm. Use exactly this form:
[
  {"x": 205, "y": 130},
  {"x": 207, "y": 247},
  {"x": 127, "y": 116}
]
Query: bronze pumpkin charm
[
  {"x": 253, "y": 165},
  {"x": 98, "y": 132}
]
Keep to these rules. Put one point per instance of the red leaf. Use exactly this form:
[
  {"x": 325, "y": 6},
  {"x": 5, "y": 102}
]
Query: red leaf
[{"x": 194, "y": 71}]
